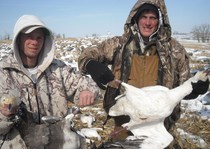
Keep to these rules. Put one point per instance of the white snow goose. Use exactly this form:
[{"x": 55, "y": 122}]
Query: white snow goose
[{"x": 148, "y": 107}]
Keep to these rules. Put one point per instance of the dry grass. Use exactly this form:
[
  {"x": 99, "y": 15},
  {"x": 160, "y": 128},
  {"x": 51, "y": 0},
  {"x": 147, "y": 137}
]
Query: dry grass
[
  {"x": 195, "y": 45},
  {"x": 197, "y": 127},
  {"x": 5, "y": 41},
  {"x": 70, "y": 39}
]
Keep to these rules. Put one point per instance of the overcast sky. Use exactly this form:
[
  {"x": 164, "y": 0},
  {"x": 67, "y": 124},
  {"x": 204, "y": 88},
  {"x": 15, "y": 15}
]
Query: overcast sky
[{"x": 78, "y": 18}]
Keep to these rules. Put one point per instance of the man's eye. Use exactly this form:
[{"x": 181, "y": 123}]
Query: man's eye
[{"x": 153, "y": 18}]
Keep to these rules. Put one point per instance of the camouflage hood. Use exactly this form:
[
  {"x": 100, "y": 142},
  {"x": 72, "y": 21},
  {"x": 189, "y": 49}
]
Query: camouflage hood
[
  {"x": 46, "y": 56},
  {"x": 164, "y": 30}
]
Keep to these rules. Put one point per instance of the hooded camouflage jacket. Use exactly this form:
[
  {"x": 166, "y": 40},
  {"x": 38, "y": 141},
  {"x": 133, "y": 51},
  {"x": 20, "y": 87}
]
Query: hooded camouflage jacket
[
  {"x": 117, "y": 51},
  {"x": 54, "y": 83}
]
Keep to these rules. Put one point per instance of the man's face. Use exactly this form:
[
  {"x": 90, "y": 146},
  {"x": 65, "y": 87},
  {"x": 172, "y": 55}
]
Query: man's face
[
  {"x": 31, "y": 44},
  {"x": 147, "y": 23}
]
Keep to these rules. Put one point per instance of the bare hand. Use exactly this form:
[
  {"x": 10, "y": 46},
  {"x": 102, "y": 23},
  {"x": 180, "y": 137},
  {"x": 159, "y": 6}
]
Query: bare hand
[
  {"x": 9, "y": 105},
  {"x": 7, "y": 111},
  {"x": 86, "y": 98}
]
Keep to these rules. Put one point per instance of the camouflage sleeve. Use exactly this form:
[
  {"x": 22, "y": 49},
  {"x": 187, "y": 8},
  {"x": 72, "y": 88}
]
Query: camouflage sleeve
[
  {"x": 103, "y": 53},
  {"x": 86, "y": 83},
  {"x": 183, "y": 62},
  {"x": 75, "y": 83},
  {"x": 184, "y": 68},
  {"x": 5, "y": 123}
]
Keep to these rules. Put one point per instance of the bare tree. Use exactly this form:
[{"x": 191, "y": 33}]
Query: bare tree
[
  {"x": 202, "y": 33},
  {"x": 196, "y": 33}
]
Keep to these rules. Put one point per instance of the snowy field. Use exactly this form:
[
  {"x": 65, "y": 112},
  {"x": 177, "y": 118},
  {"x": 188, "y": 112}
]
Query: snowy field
[{"x": 69, "y": 49}]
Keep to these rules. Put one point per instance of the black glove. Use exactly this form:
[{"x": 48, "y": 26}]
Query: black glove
[
  {"x": 199, "y": 88},
  {"x": 100, "y": 73}
]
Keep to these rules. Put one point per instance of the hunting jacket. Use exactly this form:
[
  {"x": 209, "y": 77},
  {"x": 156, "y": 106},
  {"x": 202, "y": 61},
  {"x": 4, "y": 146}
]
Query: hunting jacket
[{"x": 47, "y": 94}]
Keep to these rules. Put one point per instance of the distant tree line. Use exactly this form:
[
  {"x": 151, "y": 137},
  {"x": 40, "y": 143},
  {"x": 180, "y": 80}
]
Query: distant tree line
[{"x": 201, "y": 33}]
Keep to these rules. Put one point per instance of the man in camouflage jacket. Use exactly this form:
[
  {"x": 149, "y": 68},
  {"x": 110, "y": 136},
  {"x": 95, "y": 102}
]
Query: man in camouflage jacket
[
  {"x": 171, "y": 62},
  {"x": 45, "y": 92}
]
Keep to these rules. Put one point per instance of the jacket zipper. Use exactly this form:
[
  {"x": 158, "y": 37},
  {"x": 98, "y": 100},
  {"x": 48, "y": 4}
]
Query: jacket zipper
[{"x": 37, "y": 102}]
